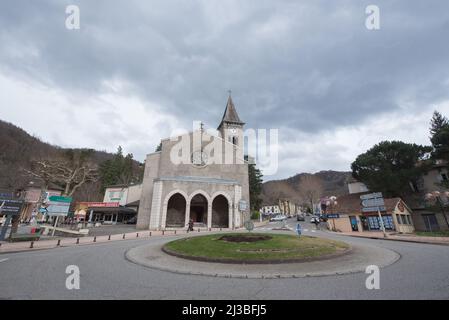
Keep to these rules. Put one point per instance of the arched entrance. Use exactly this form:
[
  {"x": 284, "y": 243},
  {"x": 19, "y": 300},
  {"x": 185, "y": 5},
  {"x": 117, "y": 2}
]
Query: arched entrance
[
  {"x": 176, "y": 210},
  {"x": 198, "y": 209},
  {"x": 220, "y": 212}
]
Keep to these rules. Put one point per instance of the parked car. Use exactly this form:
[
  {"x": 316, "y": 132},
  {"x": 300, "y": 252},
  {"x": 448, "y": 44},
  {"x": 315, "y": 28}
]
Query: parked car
[
  {"x": 279, "y": 217},
  {"x": 300, "y": 217},
  {"x": 314, "y": 219}
]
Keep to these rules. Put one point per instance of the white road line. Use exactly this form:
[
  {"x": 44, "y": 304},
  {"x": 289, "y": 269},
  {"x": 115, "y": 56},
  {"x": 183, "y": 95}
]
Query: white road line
[{"x": 3, "y": 260}]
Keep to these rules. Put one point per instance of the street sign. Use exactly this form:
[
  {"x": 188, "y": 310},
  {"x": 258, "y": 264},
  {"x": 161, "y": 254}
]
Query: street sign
[
  {"x": 374, "y": 209},
  {"x": 371, "y": 196},
  {"x": 374, "y": 202},
  {"x": 60, "y": 199},
  {"x": 243, "y": 206},
  {"x": 333, "y": 216},
  {"x": 58, "y": 208}
]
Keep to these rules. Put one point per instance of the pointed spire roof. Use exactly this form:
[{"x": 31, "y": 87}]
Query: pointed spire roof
[{"x": 230, "y": 115}]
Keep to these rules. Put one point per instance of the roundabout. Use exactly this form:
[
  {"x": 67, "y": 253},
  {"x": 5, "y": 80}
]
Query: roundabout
[
  {"x": 255, "y": 248},
  {"x": 352, "y": 259}
]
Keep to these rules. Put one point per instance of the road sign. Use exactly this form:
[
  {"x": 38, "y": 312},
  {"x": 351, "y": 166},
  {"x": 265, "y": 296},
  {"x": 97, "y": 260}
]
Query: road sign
[
  {"x": 374, "y": 202},
  {"x": 58, "y": 208},
  {"x": 374, "y": 209},
  {"x": 371, "y": 196},
  {"x": 60, "y": 199},
  {"x": 243, "y": 206},
  {"x": 249, "y": 225},
  {"x": 333, "y": 216}
]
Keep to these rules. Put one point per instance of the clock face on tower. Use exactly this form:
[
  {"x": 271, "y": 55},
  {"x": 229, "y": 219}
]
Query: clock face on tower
[{"x": 233, "y": 130}]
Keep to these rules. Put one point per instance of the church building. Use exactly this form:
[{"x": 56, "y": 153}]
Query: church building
[{"x": 200, "y": 175}]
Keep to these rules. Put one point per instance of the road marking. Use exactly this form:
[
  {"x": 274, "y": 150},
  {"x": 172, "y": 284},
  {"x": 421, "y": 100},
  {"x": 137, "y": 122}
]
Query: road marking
[
  {"x": 3, "y": 260},
  {"x": 313, "y": 230}
]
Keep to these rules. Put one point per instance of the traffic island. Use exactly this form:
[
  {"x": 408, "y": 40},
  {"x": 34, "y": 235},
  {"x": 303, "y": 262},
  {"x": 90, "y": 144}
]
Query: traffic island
[
  {"x": 255, "y": 248},
  {"x": 355, "y": 260}
]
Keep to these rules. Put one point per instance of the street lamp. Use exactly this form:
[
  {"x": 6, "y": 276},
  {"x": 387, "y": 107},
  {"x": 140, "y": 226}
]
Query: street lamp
[
  {"x": 436, "y": 195},
  {"x": 330, "y": 203}
]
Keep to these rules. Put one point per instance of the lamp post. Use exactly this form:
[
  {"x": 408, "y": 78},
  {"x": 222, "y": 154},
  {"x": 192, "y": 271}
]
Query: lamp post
[
  {"x": 330, "y": 203},
  {"x": 436, "y": 195}
]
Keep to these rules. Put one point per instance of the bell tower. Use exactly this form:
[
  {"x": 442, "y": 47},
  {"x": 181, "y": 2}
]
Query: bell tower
[{"x": 231, "y": 127}]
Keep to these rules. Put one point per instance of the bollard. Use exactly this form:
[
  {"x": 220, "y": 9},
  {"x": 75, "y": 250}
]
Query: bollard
[
  {"x": 32, "y": 244},
  {"x": 175, "y": 231},
  {"x": 210, "y": 229},
  {"x": 95, "y": 239},
  {"x": 77, "y": 240},
  {"x": 150, "y": 233},
  {"x": 109, "y": 237},
  {"x": 123, "y": 236},
  {"x": 59, "y": 243},
  {"x": 198, "y": 229},
  {"x": 163, "y": 232},
  {"x": 137, "y": 235}
]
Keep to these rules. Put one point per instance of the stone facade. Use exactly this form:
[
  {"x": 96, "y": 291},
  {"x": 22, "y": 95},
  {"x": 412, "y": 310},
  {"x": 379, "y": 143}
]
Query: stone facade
[{"x": 209, "y": 191}]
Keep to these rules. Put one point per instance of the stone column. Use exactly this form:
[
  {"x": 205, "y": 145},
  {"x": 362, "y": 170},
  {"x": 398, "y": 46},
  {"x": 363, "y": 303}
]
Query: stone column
[
  {"x": 209, "y": 215},
  {"x": 187, "y": 215}
]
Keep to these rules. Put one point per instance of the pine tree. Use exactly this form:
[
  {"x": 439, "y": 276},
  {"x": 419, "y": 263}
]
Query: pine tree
[
  {"x": 437, "y": 123},
  {"x": 439, "y": 130}
]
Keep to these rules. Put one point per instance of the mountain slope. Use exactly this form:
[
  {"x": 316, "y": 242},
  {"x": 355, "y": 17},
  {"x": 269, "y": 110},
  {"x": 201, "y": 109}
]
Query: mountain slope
[
  {"x": 326, "y": 183},
  {"x": 17, "y": 151}
]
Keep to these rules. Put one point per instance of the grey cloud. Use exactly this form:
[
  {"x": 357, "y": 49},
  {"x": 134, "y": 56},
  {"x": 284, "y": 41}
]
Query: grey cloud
[{"x": 307, "y": 66}]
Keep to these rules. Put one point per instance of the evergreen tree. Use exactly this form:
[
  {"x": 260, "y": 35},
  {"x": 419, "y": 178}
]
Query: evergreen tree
[
  {"x": 437, "y": 123},
  {"x": 255, "y": 186},
  {"x": 118, "y": 170},
  {"x": 439, "y": 130},
  {"x": 389, "y": 167}
]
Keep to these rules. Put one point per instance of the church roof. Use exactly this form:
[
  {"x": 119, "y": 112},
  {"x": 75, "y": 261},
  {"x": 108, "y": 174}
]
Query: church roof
[{"x": 230, "y": 115}]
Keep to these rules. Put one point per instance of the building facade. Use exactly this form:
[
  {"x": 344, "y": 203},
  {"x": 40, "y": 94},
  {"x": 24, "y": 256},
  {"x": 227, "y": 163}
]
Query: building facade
[
  {"x": 348, "y": 216},
  {"x": 198, "y": 176}
]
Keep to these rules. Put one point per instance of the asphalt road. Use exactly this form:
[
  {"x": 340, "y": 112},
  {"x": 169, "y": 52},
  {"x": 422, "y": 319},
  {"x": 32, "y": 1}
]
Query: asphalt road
[{"x": 421, "y": 273}]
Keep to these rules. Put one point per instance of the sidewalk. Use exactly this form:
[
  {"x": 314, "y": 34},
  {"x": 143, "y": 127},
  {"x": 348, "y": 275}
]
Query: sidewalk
[
  {"x": 10, "y": 247},
  {"x": 397, "y": 237}
]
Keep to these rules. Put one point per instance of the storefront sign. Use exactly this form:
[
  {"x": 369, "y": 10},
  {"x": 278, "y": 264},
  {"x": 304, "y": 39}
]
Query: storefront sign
[
  {"x": 10, "y": 207},
  {"x": 101, "y": 204}
]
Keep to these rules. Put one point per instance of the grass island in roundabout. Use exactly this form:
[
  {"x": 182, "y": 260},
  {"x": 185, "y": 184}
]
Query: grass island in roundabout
[{"x": 259, "y": 248}]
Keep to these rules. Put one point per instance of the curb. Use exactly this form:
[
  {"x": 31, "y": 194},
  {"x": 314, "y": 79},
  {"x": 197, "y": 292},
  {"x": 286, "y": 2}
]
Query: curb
[
  {"x": 135, "y": 257},
  {"x": 390, "y": 239}
]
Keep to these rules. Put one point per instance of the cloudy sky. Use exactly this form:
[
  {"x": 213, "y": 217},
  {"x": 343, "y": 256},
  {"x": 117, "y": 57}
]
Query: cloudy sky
[{"x": 136, "y": 71}]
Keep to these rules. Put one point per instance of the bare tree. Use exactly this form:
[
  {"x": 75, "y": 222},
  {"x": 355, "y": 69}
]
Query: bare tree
[
  {"x": 310, "y": 189},
  {"x": 70, "y": 171}
]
